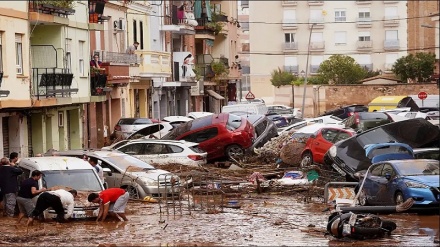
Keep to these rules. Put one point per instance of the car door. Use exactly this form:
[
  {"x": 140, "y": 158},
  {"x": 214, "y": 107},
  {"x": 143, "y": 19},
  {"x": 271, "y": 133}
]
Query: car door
[
  {"x": 176, "y": 154},
  {"x": 207, "y": 141},
  {"x": 114, "y": 178},
  {"x": 372, "y": 184},
  {"x": 156, "y": 153},
  {"x": 387, "y": 187},
  {"x": 322, "y": 143}
]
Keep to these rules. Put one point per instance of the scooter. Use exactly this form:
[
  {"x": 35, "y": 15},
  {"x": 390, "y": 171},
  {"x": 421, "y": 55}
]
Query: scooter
[{"x": 358, "y": 226}]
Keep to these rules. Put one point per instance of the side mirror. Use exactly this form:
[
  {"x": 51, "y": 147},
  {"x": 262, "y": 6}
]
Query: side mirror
[
  {"x": 387, "y": 176},
  {"x": 105, "y": 185},
  {"x": 107, "y": 170}
]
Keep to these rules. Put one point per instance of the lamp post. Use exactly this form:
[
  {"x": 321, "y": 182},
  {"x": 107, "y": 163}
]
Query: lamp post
[
  {"x": 293, "y": 91},
  {"x": 307, "y": 70}
]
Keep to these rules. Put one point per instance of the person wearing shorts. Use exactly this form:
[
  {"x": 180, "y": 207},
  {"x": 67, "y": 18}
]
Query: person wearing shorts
[
  {"x": 28, "y": 190},
  {"x": 111, "y": 201}
]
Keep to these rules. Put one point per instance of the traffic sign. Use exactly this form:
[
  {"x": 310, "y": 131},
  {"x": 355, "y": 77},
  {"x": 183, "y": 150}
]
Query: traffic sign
[
  {"x": 422, "y": 95},
  {"x": 343, "y": 193},
  {"x": 250, "y": 95}
]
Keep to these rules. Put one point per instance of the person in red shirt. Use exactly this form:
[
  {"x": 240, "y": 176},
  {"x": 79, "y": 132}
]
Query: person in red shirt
[{"x": 111, "y": 201}]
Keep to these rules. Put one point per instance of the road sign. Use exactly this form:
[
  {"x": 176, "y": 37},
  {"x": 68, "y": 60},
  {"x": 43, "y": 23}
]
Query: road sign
[
  {"x": 422, "y": 95},
  {"x": 250, "y": 95},
  {"x": 341, "y": 192}
]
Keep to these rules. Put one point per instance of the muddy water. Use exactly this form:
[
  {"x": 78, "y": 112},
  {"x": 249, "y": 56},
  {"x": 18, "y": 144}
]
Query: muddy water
[{"x": 260, "y": 221}]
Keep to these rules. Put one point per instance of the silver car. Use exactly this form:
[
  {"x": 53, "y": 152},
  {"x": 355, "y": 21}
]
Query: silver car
[
  {"x": 128, "y": 126},
  {"x": 134, "y": 175}
]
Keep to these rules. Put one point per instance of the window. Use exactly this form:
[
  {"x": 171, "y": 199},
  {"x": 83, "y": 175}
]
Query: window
[
  {"x": 289, "y": 37},
  {"x": 391, "y": 35},
  {"x": 261, "y": 127},
  {"x": 134, "y": 30},
  {"x": 81, "y": 46},
  {"x": 391, "y": 13},
  {"x": 1, "y": 54},
  {"x": 316, "y": 16},
  {"x": 391, "y": 58},
  {"x": 133, "y": 149},
  {"x": 377, "y": 170},
  {"x": 141, "y": 33},
  {"x": 340, "y": 38},
  {"x": 176, "y": 149},
  {"x": 154, "y": 148},
  {"x": 289, "y": 14},
  {"x": 364, "y": 36},
  {"x": 342, "y": 136},
  {"x": 388, "y": 169},
  {"x": 290, "y": 61},
  {"x": 68, "y": 58},
  {"x": 329, "y": 134},
  {"x": 363, "y": 59},
  {"x": 19, "y": 54},
  {"x": 364, "y": 14},
  {"x": 340, "y": 15},
  {"x": 316, "y": 37},
  {"x": 316, "y": 60}
]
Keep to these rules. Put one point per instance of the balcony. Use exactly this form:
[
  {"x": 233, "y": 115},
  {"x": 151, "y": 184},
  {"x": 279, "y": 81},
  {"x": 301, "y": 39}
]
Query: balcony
[
  {"x": 315, "y": 3},
  {"x": 118, "y": 58},
  {"x": 3, "y": 93},
  {"x": 98, "y": 84},
  {"x": 363, "y": 1},
  {"x": 181, "y": 22},
  {"x": 289, "y": 3},
  {"x": 390, "y": 1},
  {"x": 317, "y": 22},
  {"x": 364, "y": 45},
  {"x": 368, "y": 66},
  {"x": 391, "y": 45},
  {"x": 244, "y": 26},
  {"x": 245, "y": 3},
  {"x": 391, "y": 21},
  {"x": 50, "y": 12},
  {"x": 96, "y": 19},
  {"x": 290, "y": 24},
  {"x": 314, "y": 69},
  {"x": 317, "y": 46},
  {"x": 290, "y": 46},
  {"x": 204, "y": 29},
  {"x": 154, "y": 64},
  {"x": 52, "y": 82},
  {"x": 291, "y": 68},
  {"x": 363, "y": 22}
]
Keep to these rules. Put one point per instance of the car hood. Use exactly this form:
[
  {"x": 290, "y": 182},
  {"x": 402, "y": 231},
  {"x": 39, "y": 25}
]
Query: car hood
[
  {"x": 150, "y": 174},
  {"x": 431, "y": 180}
]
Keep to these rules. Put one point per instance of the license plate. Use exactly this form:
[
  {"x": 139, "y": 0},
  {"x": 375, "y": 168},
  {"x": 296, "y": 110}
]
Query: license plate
[
  {"x": 79, "y": 216},
  {"x": 339, "y": 170}
]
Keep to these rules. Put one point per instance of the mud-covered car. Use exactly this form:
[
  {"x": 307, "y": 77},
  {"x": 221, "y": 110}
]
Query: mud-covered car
[{"x": 348, "y": 156}]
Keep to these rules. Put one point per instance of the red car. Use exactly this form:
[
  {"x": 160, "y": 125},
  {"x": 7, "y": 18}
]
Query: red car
[
  {"x": 220, "y": 135},
  {"x": 320, "y": 142}
]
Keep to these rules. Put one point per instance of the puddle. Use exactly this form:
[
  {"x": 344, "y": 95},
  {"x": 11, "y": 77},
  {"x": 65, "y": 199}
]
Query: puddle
[{"x": 265, "y": 221}]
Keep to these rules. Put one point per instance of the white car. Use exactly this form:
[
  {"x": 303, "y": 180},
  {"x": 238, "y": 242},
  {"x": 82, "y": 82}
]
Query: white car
[
  {"x": 329, "y": 119},
  {"x": 319, "y": 120},
  {"x": 156, "y": 131},
  {"x": 296, "y": 112},
  {"x": 433, "y": 115},
  {"x": 128, "y": 126},
  {"x": 162, "y": 152},
  {"x": 198, "y": 114},
  {"x": 176, "y": 120}
]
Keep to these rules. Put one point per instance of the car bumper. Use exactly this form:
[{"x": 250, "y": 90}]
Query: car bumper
[
  {"x": 154, "y": 191},
  {"x": 422, "y": 196},
  {"x": 339, "y": 166},
  {"x": 78, "y": 213}
]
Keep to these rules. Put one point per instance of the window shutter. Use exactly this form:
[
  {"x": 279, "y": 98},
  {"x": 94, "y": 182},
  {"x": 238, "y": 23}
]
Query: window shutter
[
  {"x": 316, "y": 37},
  {"x": 290, "y": 61},
  {"x": 340, "y": 37},
  {"x": 18, "y": 38},
  {"x": 391, "y": 12},
  {"x": 317, "y": 60}
]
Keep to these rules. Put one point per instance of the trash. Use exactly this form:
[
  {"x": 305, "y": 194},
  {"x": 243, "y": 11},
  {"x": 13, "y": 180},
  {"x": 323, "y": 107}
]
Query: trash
[
  {"x": 235, "y": 167},
  {"x": 291, "y": 153},
  {"x": 293, "y": 175},
  {"x": 312, "y": 175},
  {"x": 150, "y": 199},
  {"x": 256, "y": 175}
]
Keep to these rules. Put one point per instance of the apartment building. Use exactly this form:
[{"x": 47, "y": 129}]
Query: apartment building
[
  {"x": 421, "y": 38},
  {"x": 243, "y": 18},
  {"x": 189, "y": 28},
  {"x": 372, "y": 32}
]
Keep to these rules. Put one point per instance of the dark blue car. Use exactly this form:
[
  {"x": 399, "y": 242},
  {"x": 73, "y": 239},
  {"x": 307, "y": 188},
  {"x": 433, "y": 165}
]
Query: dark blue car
[{"x": 392, "y": 182}]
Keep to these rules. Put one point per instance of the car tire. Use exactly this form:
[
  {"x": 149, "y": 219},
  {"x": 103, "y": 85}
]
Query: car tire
[
  {"x": 234, "y": 150},
  {"x": 132, "y": 191},
  {"x": 362, "y": 199},
  {"x": 398, "y": 198},
  {"x": 307, "y": 159}
]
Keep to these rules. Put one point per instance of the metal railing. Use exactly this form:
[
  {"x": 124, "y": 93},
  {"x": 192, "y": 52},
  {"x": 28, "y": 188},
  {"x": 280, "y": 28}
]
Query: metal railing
[
  {"x": 52, "y": 82},
  {"x": 364, "y": 44},
  {"x": 289, "y": 22},
  {"x": 318, "y": 45},
  {"x": 46, "y": 8},
  {"x": 290, "y": 46},
  {"x": 391, "y": 44},
  {"x": 120, "y": 58},
  {"x": 98, "y": 84}
]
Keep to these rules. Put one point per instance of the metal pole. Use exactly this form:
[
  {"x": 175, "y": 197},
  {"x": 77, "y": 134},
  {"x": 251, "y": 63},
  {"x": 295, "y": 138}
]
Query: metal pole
[
  {"x": 293, "y": 97},
  {"x": 307, "y": 70}
]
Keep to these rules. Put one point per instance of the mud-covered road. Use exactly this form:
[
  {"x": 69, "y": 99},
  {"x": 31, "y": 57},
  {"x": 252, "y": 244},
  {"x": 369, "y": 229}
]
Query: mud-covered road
[{"x": 262, "y": 220}]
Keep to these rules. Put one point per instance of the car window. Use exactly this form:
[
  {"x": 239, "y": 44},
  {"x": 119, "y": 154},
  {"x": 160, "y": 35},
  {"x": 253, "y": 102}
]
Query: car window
[
  {"x": 84, "y": 179},
  {"x": 104, "y": 164},
  {"x": 175, "y": 149},
  {"x": 329, "y": 134},
  {"x": 261, "y": 127},
  {"x": 360, "y": 108},
  {"x": 432, "y": 154},
  {"x": 134, "y": 121},
  {"x": 148, "y": 131},
  {"x": 133, "y": 149},
  {"x": 377, "y": 170},
  {"x": 418, "y": 168},
  {"x": 387, "y": 168},
  {"x": 202, "y": 135},
  {"x": 338, "y": 112},
  {"x": 342, "y": 135},
  {"x": 234, "y": 122},
  {"x": 120, "y": 144},
  {"x": 155, "y": 148},
  {"x": 127, "y": 161},
  {"x": 373, "y": 115},
  {"x": 196, "y": 149}
]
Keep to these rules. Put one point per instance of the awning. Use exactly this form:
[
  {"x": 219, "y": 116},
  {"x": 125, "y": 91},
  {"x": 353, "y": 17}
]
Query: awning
[{"x": 215, "y": 95}]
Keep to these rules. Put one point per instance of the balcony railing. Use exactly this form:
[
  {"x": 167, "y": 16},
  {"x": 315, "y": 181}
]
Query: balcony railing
[
  {"x": 154, "y": 63},
  {"x": 205, "y": 71},
  {"x": 290, "y": 46},
  {"x": 289, "y": 3},
  {"x": 291, "y": 68},
  {"x": 316, "y": 46},
  {"x": 367, "y": 66},
  {"x": 363, "y": 1},
  {"x": 98, "y": 84},
  {"x": 392, "y": 44},
  {"x": 202, "y": 27},
  {"x": 314, "y": 69},
  {"x": 244, "y": 26},
  {"x": 119, "y": 58},
  {"x": 364, "y": 22},
  {"x": 52, "y": 82},
  {"x": 57, "y": 8},
  {"x": 315, "y": 3},
  {"x": 390, "y": 1},
  {"x": 391, "y": 21},
  {"x": 245, "y": 3},
  {"x": 365, "y": 45},
  {"x": 289, "y": 23}
]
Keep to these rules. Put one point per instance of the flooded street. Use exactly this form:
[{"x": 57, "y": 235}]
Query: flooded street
[{"x": 262, "y": 220}]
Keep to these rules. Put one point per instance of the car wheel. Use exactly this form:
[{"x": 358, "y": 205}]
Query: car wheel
[
  {"x": 234, "y": 151},
  {"x": 362, "y": 199},
  {"x": 133, "y": 192},
  {"x": 398, "y": 198},
  {"x": 307, "y": 159}
]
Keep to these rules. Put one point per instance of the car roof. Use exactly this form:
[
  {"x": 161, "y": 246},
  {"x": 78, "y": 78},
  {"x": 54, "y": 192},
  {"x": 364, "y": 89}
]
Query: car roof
[
  {"x": 176, "y": 118},
  {"x": 182, "y": 142},
  {"x": 411, "y": 161},
  {"x": 91, "y": 152},
  {"x": 56, "y": 163},
  {"x": 422, "y": 150}
]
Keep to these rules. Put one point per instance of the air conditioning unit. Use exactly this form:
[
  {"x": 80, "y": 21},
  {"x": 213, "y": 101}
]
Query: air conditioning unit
[{"x": 119, "y": 25}]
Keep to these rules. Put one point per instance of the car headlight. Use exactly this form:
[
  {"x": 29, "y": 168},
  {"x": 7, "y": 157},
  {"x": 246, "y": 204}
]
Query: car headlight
[
  {"x": 332, "y": 151},
  {"x": 150, "y": 182},
  {"x": 410, "y": 184}
]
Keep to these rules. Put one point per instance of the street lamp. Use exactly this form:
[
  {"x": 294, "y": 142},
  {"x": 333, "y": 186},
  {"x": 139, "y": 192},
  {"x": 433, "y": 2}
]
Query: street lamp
[
  {"x": 307, "y": 69},
  {"x": 293, "y": 91}
]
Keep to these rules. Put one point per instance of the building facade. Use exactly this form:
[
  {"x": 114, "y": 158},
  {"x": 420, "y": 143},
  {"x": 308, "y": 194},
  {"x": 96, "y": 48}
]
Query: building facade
[
  {"x": 372, "y": 32},
  {"x": 421, "y": 38},
  {"x": 243, "y": 18}
]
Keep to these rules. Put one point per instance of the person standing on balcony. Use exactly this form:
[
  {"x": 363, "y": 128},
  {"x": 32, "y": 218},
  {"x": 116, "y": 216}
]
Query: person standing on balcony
[
  {"x": 132, "y": 48},
  {"x": 95, "y": 63},
  {"x": 187, "y": 66}
]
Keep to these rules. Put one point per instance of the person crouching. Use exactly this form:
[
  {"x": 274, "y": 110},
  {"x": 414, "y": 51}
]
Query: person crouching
[
  {"x": 57, "y": 200},
  {"x": 111, "y": 201}
]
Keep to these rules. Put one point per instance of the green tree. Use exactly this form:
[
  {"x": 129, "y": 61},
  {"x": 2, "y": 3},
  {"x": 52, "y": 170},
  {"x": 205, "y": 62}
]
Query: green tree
[
  {"x": 371, "y": 73},
  {"x": 341, "y": 69},
  {"x": 417, "y": 67},
  {"x": 281, "y": 78}
]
